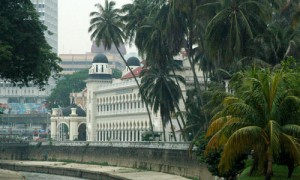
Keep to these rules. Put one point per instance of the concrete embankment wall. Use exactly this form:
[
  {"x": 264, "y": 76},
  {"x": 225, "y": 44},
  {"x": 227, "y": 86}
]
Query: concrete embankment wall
[
  {"x": 157, "y": 157},
  {"x": 60, "y": 171}
]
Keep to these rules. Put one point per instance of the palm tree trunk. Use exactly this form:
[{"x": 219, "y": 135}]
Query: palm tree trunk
[
  {"x": 138, "y": 84},
  {"x": 178, "y": 109},
  {"x": 164, "y": 133},
  {"x": 197, "y": 85},
  {"x": 184, "y": 102},
  {"x": 173, "y": 130},
  {"x": 190, "y": 56},
  {"x": 269, "y": 167}
]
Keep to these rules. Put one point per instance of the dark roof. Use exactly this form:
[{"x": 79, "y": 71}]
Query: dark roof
[
  {"x": 133, "y": 61},
  {"x": 100, "y": 58},
  {"x": 100, "y": 76},
  {"x": 79, "y": 111}
]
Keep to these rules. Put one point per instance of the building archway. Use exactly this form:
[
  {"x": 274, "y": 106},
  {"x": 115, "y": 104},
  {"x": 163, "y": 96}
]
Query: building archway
[
  {"x": 82, "y": 132},
  {"x": 62, "y": 132}
]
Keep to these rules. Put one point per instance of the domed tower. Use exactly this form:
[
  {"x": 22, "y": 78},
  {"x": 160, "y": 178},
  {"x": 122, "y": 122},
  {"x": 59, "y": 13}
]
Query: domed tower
[
  {"x": 100, "y": 68},
  {"x": 133, "y": 63},
  {"x": 100, "y": 74}
]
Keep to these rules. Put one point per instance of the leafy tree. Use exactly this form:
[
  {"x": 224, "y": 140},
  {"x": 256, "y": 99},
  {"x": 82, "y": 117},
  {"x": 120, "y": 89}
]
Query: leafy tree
[
  {"x": 116, "y": 73},
  {"x": 60, "y": 95},
  {"x": 25, "y": 56},
  {"x": 262, "y": 115}
]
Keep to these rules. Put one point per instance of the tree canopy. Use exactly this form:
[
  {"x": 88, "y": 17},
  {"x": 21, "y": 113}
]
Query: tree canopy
[
  {"x": 25, "y": 55},
  {"x": 262, "y": 115},
  {"x": 60, "y": 95}
]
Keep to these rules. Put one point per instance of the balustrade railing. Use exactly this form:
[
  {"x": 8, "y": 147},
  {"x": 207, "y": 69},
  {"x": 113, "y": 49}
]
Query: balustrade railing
[{"x": 143, "y": 144}]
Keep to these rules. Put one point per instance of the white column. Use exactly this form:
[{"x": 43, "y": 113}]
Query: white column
[
  {"x": 53, "y": 129},
  {"x": 73, "y": 130}
]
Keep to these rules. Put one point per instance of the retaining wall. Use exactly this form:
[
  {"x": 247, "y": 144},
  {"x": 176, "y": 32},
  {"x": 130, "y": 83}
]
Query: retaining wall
[{"x": 162, "y": 157}]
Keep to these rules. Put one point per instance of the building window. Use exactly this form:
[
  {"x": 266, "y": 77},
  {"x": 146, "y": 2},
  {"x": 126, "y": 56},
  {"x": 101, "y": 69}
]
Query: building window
[
  {"x": 102, "y": 68},
  {"x": 96, "y": 68}
]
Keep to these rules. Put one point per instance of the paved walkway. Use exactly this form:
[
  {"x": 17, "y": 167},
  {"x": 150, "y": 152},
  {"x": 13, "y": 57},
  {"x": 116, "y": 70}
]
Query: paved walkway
[{"x": 127, "y": 173}]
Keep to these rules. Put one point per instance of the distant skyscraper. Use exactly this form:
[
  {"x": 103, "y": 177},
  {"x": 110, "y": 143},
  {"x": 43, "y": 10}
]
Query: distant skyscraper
[{"x": 47, "y": 10}]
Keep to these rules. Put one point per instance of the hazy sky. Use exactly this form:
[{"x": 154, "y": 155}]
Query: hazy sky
[{"x": 73, "y": 24}]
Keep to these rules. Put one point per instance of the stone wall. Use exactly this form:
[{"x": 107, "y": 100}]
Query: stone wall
[{"x": 156, "y": 157}]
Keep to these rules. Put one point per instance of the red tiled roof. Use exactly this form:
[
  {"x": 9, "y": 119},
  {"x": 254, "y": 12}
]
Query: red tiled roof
[{"x": 136, "y": 72}]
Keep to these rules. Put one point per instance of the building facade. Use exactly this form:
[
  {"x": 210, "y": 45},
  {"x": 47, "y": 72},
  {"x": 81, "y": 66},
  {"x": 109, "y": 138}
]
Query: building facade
[
  {"x": 48, "y": 11},
  {"x": 114, "y": 108}
]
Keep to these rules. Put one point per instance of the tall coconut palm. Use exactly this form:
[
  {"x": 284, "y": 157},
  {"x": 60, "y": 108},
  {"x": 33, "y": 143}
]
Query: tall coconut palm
[
  {"x": 232, "y": 27},
  {"x": 151, "y": 42},
  {"x": 106, "y": 27},
  {"x": 162, "y": 92},
  {"x": 279, "y": 41},
  {"x": 262, "y": 115},
  {"x": 135, "y": 15},
  {"x": 183, "y": 17}
]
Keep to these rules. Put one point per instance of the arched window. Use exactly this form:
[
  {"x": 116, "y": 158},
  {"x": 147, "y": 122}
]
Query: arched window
[
  {"x": 102, "y": 69},
  {"x": 96, "y": 68}
]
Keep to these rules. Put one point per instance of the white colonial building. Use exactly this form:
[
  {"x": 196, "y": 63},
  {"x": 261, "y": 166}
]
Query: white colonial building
[{"x": 114, "y": 109}]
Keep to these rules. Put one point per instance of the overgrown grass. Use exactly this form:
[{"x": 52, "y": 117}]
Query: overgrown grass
[{"x": 280, "y": 173}]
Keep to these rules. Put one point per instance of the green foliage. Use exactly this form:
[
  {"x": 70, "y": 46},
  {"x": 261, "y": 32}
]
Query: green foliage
[
  {"x": 67, "y": 84},
  {"x": 262, "y": 115},
  {"x": 116, "y": 73},
  {"x": 212, "y": 159},
  {"x": 25, "y": 56},
  {"x": 279, "y": 173},
  {"x": 60, "y": 95}
]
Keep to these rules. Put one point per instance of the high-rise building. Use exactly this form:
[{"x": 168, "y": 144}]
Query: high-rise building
[{"x": 47, "y": 10}]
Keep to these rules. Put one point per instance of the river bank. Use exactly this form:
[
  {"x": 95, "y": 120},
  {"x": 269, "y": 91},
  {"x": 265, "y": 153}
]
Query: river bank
[
  {"x": 84, "y": 170},
  {"x": 6, "y": 174}
]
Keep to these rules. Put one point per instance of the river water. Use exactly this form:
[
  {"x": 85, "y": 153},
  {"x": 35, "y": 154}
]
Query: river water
[{"x": 39, "y": 176}]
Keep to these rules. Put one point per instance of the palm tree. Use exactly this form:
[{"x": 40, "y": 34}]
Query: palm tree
[
  {"x": 143, "y": 27},
  {"x": 135, "y": 16},
  {"x": 106, "y": 27},
  {"x": 262, "y": 115},
  {"x": 232, "y": 27},
  {"x": 162, "y": 92},
  {"x": 279, "y": 41},
  {"x": 152, "y": 43}
]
